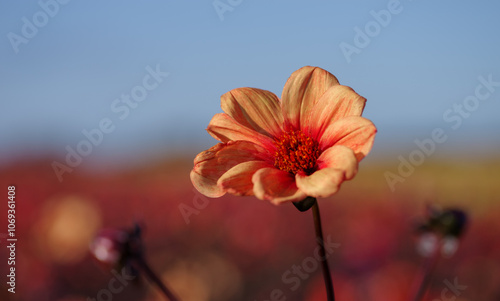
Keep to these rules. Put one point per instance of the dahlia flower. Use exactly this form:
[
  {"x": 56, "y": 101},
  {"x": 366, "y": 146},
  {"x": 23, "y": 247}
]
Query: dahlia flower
[{"x": 304, "y": 145}]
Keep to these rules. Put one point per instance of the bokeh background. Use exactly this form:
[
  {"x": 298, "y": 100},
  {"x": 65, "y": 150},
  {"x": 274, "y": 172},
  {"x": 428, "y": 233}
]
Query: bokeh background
[{"x": 66, "y": 65}]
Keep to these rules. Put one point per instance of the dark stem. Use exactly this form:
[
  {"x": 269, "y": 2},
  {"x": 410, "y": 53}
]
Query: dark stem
[
  {"x": 142, "y": 265},
  {"x": 324, "y": 263},
  {"x": 424, "y": 277}
]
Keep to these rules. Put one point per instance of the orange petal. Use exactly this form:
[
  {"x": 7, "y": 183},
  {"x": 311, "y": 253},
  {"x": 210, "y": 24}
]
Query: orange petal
[
  {"x": 355, "y": 132},
  {"x": 276, "y": 186},
  {"x": 224, "y": 128},
  {"x": 211, "y": 164},
  {"x": 337, "y": 102},
  {"x": 339, "y": 157},
  {"x": 322, "y": 183},
  {"x": 254, "y": 108},
  {"x": 238, "y": 180},
  {"x": 302, "y": 90}
]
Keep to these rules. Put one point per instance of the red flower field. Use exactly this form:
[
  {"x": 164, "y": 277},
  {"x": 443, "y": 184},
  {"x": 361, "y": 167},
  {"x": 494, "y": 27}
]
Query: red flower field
[{"x": 235, "y": 248}]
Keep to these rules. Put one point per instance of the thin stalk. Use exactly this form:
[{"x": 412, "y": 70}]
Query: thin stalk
[
  {"x": 424, "y": 277},
  {"x": 324, "y": 263},
  {"x": 151, "y": 275}
]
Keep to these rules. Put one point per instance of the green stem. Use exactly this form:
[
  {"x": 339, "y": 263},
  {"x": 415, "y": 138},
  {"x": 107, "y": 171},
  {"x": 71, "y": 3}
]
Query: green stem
[{"x": 324, "y": 263}]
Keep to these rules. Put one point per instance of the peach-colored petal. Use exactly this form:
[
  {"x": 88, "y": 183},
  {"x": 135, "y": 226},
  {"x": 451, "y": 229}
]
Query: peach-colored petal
[
  {"x": 254, "y": 108},
  {"x": 337, "y": 102},
  {"x": 276, "y": 186},
  {"x": 355, "y": 132},
  {"x": 313, "y": 105},
  {"x": 211, "y": 164},
  {"x": 238, "y": 180},
  {"x": 322, "y": 183},
  {"x": 304, "y": 87},
  {"x": 224, "y": 128},
  {"x": 339, "y": 157}
]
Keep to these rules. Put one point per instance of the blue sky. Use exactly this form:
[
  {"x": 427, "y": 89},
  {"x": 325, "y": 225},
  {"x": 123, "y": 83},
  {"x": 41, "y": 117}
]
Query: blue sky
[{"x": 414, "y": 68}]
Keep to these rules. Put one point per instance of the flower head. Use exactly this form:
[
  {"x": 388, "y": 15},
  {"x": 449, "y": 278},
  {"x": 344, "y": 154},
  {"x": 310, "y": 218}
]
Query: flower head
[{"x": 305, "y": 144}]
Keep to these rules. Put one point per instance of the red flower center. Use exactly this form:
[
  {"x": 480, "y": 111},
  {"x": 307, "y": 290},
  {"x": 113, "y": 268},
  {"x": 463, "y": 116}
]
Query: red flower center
[{"x": 295, "y": 152}]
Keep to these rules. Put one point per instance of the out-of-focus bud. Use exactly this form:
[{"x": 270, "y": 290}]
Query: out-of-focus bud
[
  {"x": 124, "y": 248},
  {"x": 427, "y": 244},
  {"x": 447, "y": 222},
  {"x": 117, "y": 247},
  {"x": 449, "y": 246},
  {"x": 441, "y": 229}
]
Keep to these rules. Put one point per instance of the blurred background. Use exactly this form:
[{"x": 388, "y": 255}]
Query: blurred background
[{"x": 104, "y": 108}]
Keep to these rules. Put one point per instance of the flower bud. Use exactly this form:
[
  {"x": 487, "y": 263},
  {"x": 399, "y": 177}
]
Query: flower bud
[
  {"x": 448, "y": 222},
  {"x": 441, "y": 231},
  {"x": 117, "y": 247}
]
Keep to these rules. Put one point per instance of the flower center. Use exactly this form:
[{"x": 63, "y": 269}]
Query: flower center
[{"x": 295, "y": 152}]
